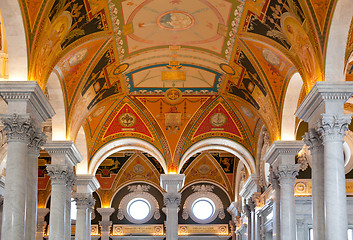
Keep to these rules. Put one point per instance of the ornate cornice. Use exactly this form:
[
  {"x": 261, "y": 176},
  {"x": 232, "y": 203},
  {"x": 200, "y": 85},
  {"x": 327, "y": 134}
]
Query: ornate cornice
[
  {"x": 172, "y": 182},
  {"x": 89, "y": 182},
  {"x": 321, "y": 93},
  {"x": 282, "y": 148},
  {"x": 30, "y": 92},
  {"x": 64, "y": 148}
]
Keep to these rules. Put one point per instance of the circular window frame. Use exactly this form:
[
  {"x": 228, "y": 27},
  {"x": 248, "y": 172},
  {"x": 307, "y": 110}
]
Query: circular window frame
[
  {"x": 134, "y": 200},
  {"x": 218, "y": 207},
  {"x": 205, "y": 199},
  {"x": 152, "y": 201}
]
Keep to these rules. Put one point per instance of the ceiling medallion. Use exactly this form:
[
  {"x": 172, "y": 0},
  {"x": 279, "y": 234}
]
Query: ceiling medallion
[
  {"x": 218, "y": 119},
  {"x": 127, "y": 120},
  {"x": 175, "y": 20},
  {"x": 173, "y": 95}
]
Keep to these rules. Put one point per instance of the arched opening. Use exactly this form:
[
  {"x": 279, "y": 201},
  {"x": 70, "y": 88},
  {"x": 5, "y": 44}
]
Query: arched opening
[
  {"x": 56, "y": 99},
  {"x": 290, "y": 106},
  {"x": 220, "y": 144},
  {"x": 337, "y": 41},
  {"x": 123, "y": 145}
]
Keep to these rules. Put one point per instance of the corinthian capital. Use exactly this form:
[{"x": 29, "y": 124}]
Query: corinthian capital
[
  {"x": 18, "y": 127},
  {"x": 58, "y": 173},
  {"x": 287, "y": 173},
  {"x": 312, "y": 139},
  {"x": 84, "y": 200},
  {"x": 172, "y": 199},
  {"x": 37, "y": 141},
  {"x": 333, "y": 128}
]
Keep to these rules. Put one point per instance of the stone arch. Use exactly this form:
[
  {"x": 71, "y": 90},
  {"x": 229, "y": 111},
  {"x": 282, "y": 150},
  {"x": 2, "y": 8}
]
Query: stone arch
[
  {"x": 220, "y": 144},
  {"x": 16, "y": 40},
  {"x": 290, "y": 106},
  {"x": 122, "y": 145},
  {"x": 337, "y": 41}
]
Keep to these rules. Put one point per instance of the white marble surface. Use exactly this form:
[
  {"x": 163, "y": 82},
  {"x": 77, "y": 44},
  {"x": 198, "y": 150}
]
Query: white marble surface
[
  {"x": 32, "y": 195},
  {"x": 13, "y": 227},
  {"x": 57, "y": 208},
  {"x": 335, "y": 191}
]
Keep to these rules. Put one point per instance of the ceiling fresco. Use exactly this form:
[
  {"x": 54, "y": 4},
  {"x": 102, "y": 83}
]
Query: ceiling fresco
[{"x": 176, "y": 72}]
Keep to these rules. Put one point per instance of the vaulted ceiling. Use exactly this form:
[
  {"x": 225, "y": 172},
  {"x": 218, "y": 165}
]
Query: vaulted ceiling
[{"x": 174, "y": 72}]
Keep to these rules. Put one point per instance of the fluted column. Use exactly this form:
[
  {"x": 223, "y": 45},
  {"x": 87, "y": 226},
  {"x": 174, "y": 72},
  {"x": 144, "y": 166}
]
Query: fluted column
[
  {"x": 64, "y": 156},
  {"x": 105, "y": 224},
  {"x": 27, "y": 109},
  {"x": 41, "y": 223},
  {"x": 313, "y": 140},
  {"x": 281, "y": 157},
  {"x": 86, "y": 185},
  {"x": 172, "y": 183},
  {"x": 37, "y": 141},
  {"x": 332, "y": 129},
  {"x": 323, "y": 109}
]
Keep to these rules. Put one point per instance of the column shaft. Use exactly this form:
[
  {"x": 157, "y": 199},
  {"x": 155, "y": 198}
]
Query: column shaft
[
  {"x": 335, "y": 192},
  {"x": 172, "y": 202},
  {"x": 332, "y": 129},
  {"x": 13, "y": 227},
  {"x": 288, "y": 222},
  {"x": 32, "y": 193},
  {"x": 70, "y": 183},
  {"x": 84, "y": 202},
  {"x": 317, "y": 178},
  {"x": 57, "y": 175}
]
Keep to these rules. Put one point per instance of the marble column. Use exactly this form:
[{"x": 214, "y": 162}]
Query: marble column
[
  {"x": 313, "y": 140},
  {"x": 276, "y": 219},
  {"x": 333, "y": 130},
  {"x": 233, "y": 211},
  {"x": 41, "y": 223},
  {"x": 105, "y": 224},
  {"x": 323, "y": 109},
  {"x": 248, "y": 209},
  {"x": 281, "y": 156},
  {"x": 27, "y": 109},
  {"x": 35, "y": 145},
  {"x": 64, "y": 156},
  {"x": 70, "y": 181},
  {"x": 86, "y": 185},
  {"x": 172, "y": 183}
]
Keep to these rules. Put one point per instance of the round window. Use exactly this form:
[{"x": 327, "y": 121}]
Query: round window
[
  {"x": 138, "y": 208},
  {"x": 203, "y": 208}
]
